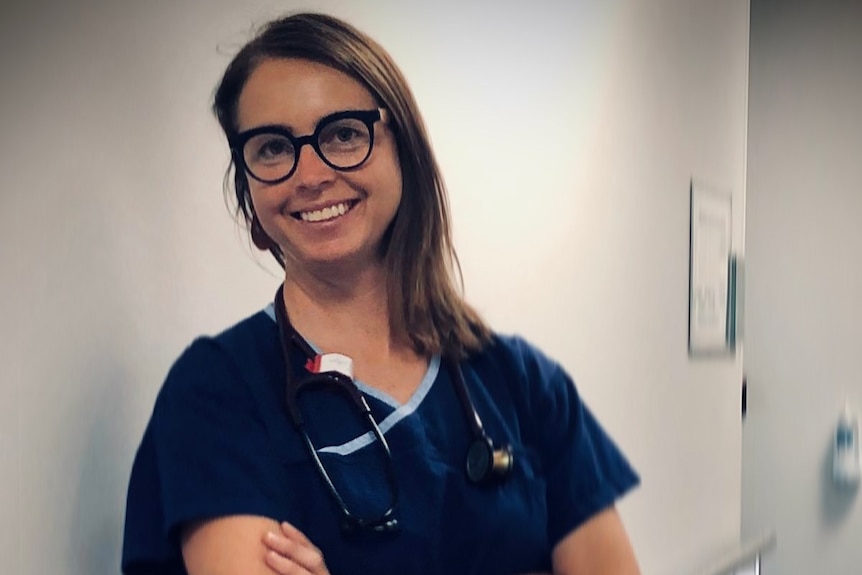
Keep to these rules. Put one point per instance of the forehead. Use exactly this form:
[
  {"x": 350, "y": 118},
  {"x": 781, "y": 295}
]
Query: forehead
[{"x": 297, "y": 93}]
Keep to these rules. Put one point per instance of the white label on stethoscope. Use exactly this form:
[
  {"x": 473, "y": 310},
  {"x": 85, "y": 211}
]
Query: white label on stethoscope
[{"x": 333, "y": 362}]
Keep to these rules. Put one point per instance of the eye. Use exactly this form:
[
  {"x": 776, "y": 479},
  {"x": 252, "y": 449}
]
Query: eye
[
  {"x": 274, "y": 148},
  {"x": 268, "y": 148},
  {"x": 344, "y": 134}
]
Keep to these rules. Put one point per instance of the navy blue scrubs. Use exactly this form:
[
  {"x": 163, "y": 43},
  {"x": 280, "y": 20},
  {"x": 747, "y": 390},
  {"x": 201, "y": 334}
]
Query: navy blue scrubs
[{"x": 219, "y": 443}]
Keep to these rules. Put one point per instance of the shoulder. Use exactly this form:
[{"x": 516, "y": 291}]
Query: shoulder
[
  {"x": 513, "y": 369},
  {"x": 520, "y": 361},
  {"x": 208, "y": 450},
  {"x": 220, "y": 366},
  {"x": 515, "y": 348}
]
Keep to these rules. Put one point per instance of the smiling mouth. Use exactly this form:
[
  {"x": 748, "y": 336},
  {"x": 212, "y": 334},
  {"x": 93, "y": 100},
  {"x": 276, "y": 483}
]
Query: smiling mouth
[{"x": 326, "y": 214}]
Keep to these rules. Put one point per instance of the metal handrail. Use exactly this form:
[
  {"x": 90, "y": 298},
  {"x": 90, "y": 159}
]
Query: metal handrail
[{"x": 743, "y": 556}]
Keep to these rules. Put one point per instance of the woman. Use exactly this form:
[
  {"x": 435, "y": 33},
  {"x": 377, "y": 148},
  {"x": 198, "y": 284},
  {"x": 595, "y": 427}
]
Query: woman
[{"x": 478, "y": 455}]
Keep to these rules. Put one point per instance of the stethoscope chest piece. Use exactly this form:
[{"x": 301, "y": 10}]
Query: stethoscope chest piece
[{"x": 486, "y": 465}]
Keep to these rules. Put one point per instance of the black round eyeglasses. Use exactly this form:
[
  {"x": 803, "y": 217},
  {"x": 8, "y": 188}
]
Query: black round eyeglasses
[{"x": 343, "y": 140}]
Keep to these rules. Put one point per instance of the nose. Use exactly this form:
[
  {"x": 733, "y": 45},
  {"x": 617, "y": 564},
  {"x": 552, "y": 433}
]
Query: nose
[{"x": 311, "y": 171}]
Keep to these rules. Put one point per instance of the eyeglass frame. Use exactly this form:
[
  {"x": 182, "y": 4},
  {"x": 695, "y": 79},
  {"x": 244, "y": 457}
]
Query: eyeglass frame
[{"x": 367, "y": 117}]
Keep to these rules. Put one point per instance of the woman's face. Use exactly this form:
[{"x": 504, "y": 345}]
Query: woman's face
[{"x": 320, "y": 215}]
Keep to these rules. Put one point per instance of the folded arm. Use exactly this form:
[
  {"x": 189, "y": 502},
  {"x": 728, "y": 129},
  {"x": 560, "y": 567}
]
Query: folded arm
[
  {"x": 598, "y": 547},
  {"x": 249, "y": 545}
]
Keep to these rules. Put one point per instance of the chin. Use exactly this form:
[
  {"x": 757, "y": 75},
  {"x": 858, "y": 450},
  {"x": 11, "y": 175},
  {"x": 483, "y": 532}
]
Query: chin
[{"x": 339, "y": 259}]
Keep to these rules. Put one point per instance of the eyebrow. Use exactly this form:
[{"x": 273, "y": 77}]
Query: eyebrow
[
  {"x": 292, "y": 131},
  {"x": 268, "y": 127}
]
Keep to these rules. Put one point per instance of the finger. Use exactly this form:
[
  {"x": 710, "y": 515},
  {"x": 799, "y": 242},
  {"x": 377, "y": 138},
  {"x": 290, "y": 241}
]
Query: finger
[
  {"x": 283, "y": 565},
  {"x": 294, "y": 533},
  {"x": 302, "y": 553},
  {"x": 308, "y": 556},
  {"x": 277, "y": 542}
]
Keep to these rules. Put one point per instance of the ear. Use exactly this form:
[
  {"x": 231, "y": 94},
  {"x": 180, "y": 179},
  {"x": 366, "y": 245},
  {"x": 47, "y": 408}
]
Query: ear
[{"x": 258, "y": 236}]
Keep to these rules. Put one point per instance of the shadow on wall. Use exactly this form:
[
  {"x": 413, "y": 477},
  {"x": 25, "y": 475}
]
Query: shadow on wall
[
  {"x": 97, "y": 518},
  {"x": 836, "y": 501}
]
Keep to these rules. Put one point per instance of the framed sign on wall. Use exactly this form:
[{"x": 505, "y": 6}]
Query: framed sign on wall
[{"x": 712, "y": 272}]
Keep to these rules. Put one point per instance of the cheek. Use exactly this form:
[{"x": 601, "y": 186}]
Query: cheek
[
  {"x": 261, "y": 197},
  {"x": 393, "y": 182},
  {"x": 390, "y": 194},
  {"x": 397, "y": 187},
  {"x": 389, "y": 173}
]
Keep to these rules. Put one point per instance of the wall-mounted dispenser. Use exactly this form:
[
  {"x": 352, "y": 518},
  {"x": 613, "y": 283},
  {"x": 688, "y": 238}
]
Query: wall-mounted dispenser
[{"x": 846, "y": 468}]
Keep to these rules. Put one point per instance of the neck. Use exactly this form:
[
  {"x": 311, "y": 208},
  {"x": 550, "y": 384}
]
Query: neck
[{"x": 338, "y": 311}]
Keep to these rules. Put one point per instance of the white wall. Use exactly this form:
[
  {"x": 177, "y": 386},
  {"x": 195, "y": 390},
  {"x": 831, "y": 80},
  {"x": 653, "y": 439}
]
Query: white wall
[
  {"x": 804, "y": 248},
  {"x": 568, "y": 132}
]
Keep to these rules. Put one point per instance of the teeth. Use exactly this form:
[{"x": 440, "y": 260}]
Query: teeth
[{"x": 326, "y": 213}]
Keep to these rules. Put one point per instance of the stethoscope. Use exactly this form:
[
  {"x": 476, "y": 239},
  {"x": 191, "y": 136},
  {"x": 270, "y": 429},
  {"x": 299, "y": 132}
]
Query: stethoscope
[{"x": 485, "y": 464}]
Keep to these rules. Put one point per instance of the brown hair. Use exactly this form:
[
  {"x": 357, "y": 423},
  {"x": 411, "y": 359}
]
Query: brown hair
[{"x": 425, "y": 306}]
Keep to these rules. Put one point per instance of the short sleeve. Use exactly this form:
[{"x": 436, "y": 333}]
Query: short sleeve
[
  {"x": 585, "y": 471},
  {"x": 205, "y": 454}
]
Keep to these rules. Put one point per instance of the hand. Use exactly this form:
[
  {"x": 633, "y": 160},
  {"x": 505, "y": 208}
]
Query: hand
[{"x": 291, "y": 553}]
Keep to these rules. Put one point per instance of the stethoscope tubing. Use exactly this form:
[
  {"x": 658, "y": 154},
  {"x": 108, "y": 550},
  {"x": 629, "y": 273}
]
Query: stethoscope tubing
[
  {"x": 484, "y": 464},
  {"x": 289, "y": 336}
]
